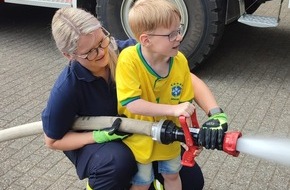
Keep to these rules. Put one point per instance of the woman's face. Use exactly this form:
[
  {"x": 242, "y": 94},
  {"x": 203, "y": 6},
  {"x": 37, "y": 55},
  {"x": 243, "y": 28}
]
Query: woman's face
[{"x": 92, "y": 51}]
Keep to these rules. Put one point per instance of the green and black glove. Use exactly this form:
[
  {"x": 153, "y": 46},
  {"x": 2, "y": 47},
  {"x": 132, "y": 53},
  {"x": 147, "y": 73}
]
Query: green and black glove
[
  {"x": 110, "y": 133},
  {"x": 211, "y": 134}
]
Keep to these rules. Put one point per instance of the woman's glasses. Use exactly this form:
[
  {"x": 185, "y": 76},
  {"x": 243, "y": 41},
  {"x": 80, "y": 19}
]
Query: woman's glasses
[{"x": 94, "y": 53}]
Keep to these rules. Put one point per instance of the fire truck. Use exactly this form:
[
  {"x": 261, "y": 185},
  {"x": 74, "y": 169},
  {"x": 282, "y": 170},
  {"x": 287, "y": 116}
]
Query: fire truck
[{"x": 203, "y": 20}]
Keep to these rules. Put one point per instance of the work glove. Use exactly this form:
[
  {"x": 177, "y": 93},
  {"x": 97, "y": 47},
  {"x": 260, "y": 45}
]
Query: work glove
[
  {"x": 211, "y": 134},
  {"x": 110, "y": 133}
]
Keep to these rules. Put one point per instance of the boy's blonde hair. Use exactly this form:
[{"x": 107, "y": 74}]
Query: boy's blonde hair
[
  {"x": 147, "y": 15},
  {"x": 68, "y": 24}
]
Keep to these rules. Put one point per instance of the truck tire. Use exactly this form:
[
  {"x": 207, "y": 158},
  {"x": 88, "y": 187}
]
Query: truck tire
[{"x": 203, "y": 22}]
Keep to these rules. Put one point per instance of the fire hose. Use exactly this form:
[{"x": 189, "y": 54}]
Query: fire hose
[{"x": 164, "y": 131}]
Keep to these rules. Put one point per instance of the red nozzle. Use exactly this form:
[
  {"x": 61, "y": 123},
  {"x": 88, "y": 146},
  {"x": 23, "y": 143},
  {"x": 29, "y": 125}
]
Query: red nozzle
[
  {"x": 188, "y": 155},
  {"x": 230, "y": 143}
]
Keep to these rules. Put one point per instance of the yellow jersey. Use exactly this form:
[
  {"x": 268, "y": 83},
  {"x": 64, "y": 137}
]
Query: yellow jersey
[{"x": 135, "y": 79}]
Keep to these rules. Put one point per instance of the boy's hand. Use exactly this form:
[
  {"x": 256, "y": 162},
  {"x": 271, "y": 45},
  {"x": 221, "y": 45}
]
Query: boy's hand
[
  {"x": 211, "y": 134},
  {"x": 186, "y": 109}
]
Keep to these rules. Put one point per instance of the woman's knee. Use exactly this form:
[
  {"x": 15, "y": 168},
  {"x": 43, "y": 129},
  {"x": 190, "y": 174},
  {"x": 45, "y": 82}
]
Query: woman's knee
[
  {"x": 113, "y": 167},
  {"x": 124, "y": 160}
]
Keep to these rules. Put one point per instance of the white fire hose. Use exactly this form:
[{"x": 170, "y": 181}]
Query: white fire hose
[
  {"x": 164, "y": 131},
  {"x": 85, "y": 123}
]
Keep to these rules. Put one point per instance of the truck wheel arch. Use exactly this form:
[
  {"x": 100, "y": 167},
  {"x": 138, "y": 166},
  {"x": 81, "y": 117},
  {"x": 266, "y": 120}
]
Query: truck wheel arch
[{"x": 203, "y": 21}]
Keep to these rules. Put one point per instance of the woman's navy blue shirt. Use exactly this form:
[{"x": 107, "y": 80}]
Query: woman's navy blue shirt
[{"x": 77, "y": 92}]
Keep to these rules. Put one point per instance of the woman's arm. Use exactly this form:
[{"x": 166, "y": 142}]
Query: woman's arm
[{"x": 70, "y": 141}]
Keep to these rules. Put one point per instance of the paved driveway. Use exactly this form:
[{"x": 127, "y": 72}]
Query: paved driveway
[{"x": 249, "y": 74}]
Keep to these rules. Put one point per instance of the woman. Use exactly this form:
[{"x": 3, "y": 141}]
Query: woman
[{"x": 86, "y": 87}]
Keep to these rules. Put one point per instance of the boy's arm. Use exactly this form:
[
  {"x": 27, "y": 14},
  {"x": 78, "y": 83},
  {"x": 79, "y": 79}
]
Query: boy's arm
[
  {"x": 143, "y": 107},
  {"x": 202, "y": 95},
  {"x": 216, "y": 126}
]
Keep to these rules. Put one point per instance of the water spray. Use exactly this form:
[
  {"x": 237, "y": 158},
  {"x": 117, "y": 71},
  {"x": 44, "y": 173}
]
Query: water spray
[{"x": 266, "y": 147}]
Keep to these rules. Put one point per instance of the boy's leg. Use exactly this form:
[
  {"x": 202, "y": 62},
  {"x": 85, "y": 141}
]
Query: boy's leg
[
  {"x": 143, "y": 178},
  {"x": 191, "y": 177},
  {"x": 170, "y": 172}
]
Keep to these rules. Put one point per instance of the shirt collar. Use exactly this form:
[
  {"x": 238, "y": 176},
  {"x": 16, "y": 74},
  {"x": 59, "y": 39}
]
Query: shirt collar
[{"x": 81, "y": 72}]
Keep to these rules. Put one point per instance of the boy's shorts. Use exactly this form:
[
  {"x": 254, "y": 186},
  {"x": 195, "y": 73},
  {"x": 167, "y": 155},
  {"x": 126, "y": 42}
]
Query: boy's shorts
[{"x": 145, "y": 174}]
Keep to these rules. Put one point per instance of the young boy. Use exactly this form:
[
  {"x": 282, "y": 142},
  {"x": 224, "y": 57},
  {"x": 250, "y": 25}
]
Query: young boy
[{"x": 153, "y": 83}]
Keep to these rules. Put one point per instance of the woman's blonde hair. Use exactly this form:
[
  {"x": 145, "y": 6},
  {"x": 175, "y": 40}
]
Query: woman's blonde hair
[
  {"x": 147, "y": 15},
  {"x": 68, "y": 24}
]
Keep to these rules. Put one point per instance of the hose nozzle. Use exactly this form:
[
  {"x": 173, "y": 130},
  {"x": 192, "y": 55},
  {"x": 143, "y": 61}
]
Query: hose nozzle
[{"x": 230, "y": 143}]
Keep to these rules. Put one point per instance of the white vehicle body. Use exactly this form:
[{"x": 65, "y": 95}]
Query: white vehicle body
[{"x": 45, "y": 3}]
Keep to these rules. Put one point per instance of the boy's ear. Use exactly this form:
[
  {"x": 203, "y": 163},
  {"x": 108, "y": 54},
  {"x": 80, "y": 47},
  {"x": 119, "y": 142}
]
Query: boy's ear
[{"x": 144, "y": 40}]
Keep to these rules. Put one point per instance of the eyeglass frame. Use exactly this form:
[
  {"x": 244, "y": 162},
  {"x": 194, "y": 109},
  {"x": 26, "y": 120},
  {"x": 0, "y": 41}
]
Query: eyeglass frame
[
  {"x": 85, "y": 56},
  {"x": 179, "y": 31}
]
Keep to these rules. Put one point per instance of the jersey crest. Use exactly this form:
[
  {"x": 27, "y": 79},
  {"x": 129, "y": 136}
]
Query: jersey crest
[{"x": 176, "y": 89}]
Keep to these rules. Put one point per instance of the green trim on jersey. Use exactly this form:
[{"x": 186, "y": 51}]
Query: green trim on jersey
[{"x": 149, "y": 68}]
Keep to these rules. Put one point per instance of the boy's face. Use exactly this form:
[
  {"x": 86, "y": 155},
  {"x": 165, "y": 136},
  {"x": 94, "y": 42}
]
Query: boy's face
[{"x": 166, "y": 41}]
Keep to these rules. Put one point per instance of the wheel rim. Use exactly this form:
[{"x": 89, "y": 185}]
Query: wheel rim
[{"x": 125, "y": 7}]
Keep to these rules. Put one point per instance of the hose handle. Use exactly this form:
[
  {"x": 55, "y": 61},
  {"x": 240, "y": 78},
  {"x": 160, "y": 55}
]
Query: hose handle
[{"x": 188, "y": 156}]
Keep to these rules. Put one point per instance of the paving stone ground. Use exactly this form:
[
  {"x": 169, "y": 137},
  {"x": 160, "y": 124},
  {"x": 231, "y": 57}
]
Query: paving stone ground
[{"x": 249, "y": 73}]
